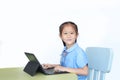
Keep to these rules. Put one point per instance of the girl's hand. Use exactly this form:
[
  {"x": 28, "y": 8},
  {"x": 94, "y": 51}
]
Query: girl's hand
[{"x": 46, "y": 66}]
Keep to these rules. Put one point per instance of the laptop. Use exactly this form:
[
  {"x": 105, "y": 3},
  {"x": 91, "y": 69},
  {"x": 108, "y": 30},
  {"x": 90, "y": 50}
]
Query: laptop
[{"x": 49, "y": 71}]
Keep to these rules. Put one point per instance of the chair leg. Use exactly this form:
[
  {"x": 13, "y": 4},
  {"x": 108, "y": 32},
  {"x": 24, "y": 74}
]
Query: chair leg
[
  {"x": 96, "y": 75},
  {"x": 102, "y": 76},
  {"x": 90, "y": 76}
]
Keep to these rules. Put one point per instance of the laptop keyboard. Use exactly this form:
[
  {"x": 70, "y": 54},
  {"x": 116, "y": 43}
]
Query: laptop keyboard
[
  {"x": 49, "y": 71},
  {"x": 52, "y": 71}
]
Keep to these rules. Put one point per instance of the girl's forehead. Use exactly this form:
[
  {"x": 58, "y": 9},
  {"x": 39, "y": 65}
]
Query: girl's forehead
[{"x": 68, "y": 27}]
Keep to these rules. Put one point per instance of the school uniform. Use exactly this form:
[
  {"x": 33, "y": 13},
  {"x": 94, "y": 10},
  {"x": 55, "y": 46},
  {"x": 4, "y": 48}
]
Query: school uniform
[{"x": 74, "y": 57}]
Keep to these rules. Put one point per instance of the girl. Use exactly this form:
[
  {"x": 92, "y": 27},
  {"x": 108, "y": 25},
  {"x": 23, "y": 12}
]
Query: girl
[{"x": 73, "y": 58}]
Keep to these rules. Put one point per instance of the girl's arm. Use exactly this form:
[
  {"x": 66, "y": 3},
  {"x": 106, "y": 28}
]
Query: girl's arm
[{"x": 79, "y": 71}]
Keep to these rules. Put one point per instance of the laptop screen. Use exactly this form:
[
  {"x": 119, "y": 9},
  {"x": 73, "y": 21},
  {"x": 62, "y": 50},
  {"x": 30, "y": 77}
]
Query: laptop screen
[{"x": 31, "y": 56}]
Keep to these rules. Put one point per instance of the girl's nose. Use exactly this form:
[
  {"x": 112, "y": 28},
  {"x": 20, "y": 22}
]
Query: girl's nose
[{"x": 68, "y": 35}]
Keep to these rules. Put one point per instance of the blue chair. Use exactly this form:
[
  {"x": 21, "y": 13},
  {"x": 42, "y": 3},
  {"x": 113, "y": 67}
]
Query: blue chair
[{"x": 99, "y": 62}]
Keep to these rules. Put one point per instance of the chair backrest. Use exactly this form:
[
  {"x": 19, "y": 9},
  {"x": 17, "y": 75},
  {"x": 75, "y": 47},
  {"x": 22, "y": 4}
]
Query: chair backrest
[{"x": 99, "y": 62}]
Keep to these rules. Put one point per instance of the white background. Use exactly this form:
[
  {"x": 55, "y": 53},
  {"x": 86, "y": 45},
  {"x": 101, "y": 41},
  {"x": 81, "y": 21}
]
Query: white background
[{"x": 32, "y": 26}]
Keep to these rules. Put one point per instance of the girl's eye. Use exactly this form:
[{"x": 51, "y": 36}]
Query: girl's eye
[
  {"x": 65, "y": 33},
  {"x": 72, "y": 33}
]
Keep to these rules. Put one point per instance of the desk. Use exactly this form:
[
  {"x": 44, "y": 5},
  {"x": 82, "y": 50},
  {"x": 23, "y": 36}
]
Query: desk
[{"x": 19, "y": 74}]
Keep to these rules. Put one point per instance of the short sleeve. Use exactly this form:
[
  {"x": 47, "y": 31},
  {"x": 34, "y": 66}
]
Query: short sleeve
[{"x": 81, "y": 59}]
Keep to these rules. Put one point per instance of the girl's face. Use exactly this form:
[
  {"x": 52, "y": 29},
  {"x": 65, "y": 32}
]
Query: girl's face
[{"x": 69, "y": 35}]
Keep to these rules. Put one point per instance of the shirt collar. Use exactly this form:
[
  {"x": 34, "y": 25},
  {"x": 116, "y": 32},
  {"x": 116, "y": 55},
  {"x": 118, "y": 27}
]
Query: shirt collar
[{"x": 71, "y": 48}]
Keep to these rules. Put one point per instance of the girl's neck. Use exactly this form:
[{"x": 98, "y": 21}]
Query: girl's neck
[{"x": 68, "y": 46}]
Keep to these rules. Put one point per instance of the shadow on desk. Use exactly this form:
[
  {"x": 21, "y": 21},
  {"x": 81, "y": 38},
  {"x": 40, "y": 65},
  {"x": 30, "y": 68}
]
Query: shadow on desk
[{"x": 19, "y": 74}]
